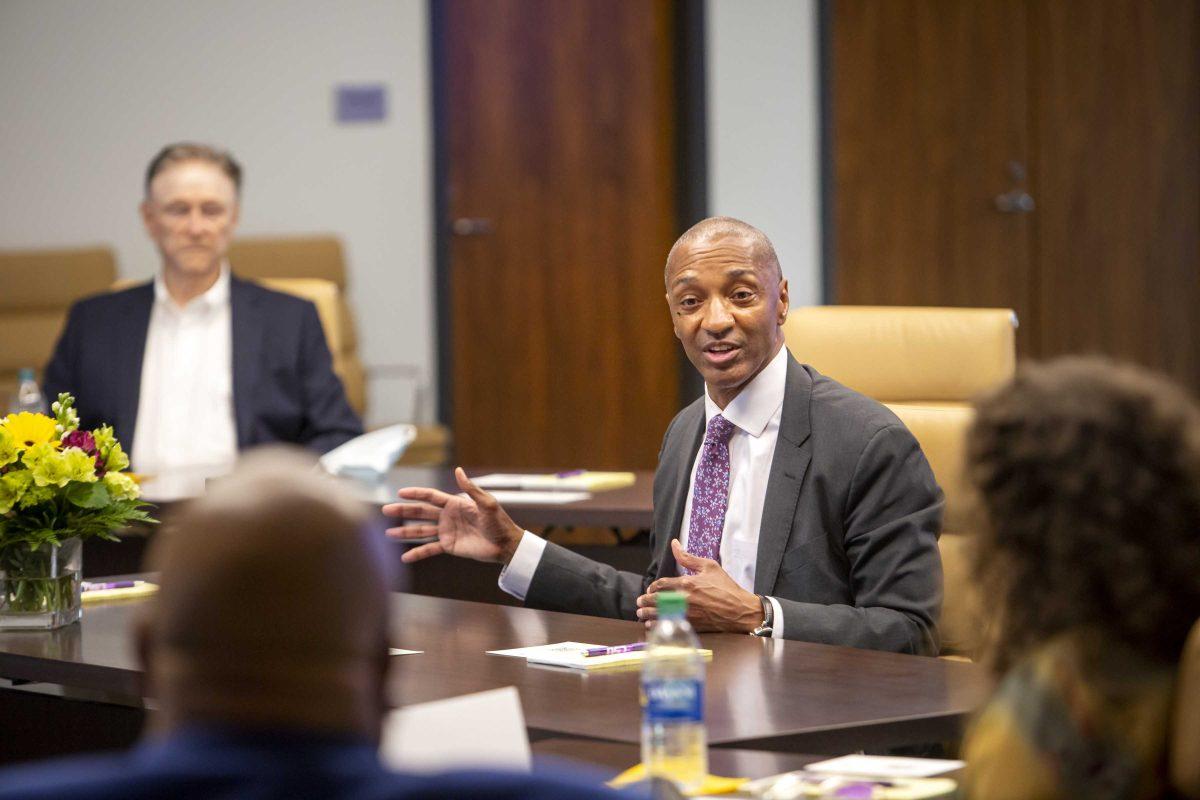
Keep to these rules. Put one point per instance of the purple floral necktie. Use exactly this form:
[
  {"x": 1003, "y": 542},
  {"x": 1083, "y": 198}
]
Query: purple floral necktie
[{"x": 710, "y": 494}]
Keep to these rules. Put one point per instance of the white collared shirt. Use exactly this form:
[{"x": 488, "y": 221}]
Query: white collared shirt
[
  {"x": 185, "y": 420},
  {"x": 756, "y": 412}
]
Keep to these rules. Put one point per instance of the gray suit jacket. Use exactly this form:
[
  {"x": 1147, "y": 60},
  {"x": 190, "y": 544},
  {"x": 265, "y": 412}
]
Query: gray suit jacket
[{"x": 848, "y": 543}]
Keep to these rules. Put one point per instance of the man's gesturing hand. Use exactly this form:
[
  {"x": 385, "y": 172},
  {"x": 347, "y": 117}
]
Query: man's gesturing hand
[
  {"x": 715, "y": 601},
  {"x": 474, "y": 526}
]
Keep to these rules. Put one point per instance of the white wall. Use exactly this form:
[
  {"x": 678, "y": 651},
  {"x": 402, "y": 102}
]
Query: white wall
[
  {"x": 90, "y": 90},
  {"x": 763, "y": 128}
]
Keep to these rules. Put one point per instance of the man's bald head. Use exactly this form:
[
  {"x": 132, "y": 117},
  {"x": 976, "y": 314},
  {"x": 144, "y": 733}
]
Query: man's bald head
[
  {"x": 715, "y": 228},
  {"x": 273, "y": 607}
]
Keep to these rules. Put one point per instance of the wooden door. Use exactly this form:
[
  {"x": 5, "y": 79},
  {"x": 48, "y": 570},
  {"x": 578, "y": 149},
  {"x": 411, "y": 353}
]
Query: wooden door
[
  {"x": 558, "y": 133},
  {"x": 929, "y": 103},
  {"x": 1095, "y": 238},
  {"x": 1118, "y": 140}
]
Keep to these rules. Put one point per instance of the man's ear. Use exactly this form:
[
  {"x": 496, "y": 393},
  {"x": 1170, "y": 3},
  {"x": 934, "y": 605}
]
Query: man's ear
[
  {"x": 783, "y": 300},
  {"x": 146, "y": 211}
]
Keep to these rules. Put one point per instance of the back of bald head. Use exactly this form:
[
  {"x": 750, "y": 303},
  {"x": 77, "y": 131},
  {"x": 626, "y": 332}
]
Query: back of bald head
[
  {"x": 273, "y": 606},
  {"x": 716, "y": 228}
]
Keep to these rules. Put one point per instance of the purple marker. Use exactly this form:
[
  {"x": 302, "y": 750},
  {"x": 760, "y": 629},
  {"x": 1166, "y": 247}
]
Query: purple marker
[
  {"x": 571, "y": 473},
  {"x": 93, "y": 587},
  {"x": 612, "y": 651}
]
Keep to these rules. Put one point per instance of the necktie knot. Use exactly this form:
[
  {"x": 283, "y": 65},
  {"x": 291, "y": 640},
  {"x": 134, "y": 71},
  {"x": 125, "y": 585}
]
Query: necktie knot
[{"x": 719, "y": 430}]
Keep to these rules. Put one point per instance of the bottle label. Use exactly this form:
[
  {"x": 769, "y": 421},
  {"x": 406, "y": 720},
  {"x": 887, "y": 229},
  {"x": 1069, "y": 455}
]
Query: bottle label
[{"x": 673, "y": 700}]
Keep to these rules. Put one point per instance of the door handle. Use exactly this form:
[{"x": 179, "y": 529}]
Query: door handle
[
  {"x": 472, "y": 226},
  {"x": 1015, "y": 202}
]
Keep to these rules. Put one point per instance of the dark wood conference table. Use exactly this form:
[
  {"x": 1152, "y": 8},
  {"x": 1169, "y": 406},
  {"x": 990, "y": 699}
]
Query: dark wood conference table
[
  {"x": 629, "y": 507},
  {"x": 761, "y": 694}
]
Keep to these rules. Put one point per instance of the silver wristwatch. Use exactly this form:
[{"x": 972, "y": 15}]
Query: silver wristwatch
[{"x": 766, "y": 628}]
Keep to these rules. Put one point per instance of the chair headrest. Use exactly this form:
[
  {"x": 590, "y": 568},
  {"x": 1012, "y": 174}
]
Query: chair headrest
[
  {"x": 899, "y": 353},
  {"x": 50, "y": 280}
]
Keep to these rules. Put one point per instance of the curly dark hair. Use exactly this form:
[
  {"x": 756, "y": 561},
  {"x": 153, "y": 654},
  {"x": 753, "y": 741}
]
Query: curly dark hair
[{"x": 1087, "y": 475}]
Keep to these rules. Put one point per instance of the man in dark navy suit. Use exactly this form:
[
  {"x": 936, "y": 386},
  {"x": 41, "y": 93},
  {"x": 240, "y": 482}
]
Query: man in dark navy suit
[
  {"x": 196, "y": 365},
  {"x": 267, "y": 651}
]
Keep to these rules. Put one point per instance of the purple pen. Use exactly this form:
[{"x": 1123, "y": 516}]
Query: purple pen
[
  {"x": 92, "y": 587},
  {"x": 612, "y": 651},
  {"x": 569, "y": 473}
]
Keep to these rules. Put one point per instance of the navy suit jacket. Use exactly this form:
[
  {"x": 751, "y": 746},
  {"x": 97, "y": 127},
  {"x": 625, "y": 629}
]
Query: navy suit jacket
[
  {"x": 284, "y": 387},
  {"x": 203, "y": 763}
]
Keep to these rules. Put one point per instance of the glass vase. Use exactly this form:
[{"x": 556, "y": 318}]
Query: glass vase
[{"x": 39, "y": 587}]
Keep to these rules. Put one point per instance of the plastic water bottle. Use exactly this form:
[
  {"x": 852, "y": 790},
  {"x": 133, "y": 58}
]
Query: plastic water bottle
[
  {"x": 28, "y": 396},
  {"x": 674, "y": 745}
]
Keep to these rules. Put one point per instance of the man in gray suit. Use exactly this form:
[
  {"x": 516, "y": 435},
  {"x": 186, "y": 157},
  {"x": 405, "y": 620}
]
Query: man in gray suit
[{"x": 785, "y": 504}]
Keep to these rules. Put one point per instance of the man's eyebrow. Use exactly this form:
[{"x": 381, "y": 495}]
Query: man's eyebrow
[{"x": 685, "y": 278}]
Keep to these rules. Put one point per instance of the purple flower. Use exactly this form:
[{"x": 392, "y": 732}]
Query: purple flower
[
  {"x": 87, "y": 443},
  {"x": 81, "y": 439}
]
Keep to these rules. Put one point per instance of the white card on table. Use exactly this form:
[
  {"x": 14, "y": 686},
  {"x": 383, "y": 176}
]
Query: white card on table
[{"x": 432, "y": 737}]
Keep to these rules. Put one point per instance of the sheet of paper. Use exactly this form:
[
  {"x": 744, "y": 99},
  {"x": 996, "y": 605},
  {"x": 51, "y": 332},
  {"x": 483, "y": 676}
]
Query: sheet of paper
[
  {"x": 557, "y": 647},
  {"x": 399, "y": 651},
  {"x": 513, "y": 497},
  {"x": 885, "y": 766},
  {"x": 430, "y": 737}
]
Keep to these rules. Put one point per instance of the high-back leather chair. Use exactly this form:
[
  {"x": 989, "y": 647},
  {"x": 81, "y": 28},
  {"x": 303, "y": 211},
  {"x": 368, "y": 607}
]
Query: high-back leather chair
[
  {"x": 312, "y": 267},
  {"x": 39, "y": 287},
  {"x": 1185, "y": 727},
  {"x": 925, "y": 364}
]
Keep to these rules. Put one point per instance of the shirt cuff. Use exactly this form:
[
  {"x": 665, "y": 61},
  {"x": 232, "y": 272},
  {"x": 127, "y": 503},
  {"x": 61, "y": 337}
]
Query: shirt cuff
[
  {"x": 516, "y": 577},
  {"x": 776, "y": 623}
]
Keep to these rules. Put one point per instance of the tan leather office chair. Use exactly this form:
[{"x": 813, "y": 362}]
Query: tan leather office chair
[
  {"x": 312, "y": 267},
  {"x": 925, "y": 364},
  {"x": 1185, "y": 728},
  {"x": 39, "y": 287},
  {"x": 339, "y": 331}
]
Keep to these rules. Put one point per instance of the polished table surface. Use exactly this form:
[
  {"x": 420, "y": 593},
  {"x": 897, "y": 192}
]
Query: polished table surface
[
  {"x": 761, "y": 694},
  {"x": 629, "y": 507}
]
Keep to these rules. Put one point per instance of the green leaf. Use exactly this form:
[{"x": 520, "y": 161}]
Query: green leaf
[{"x": 88, "y": 495}]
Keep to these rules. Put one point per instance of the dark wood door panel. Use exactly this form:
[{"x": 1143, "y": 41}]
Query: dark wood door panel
[
  {"x": 560, "y": 134},
  {"x": 930, "y": 125},
  {"x": 1119, "y": 181}
]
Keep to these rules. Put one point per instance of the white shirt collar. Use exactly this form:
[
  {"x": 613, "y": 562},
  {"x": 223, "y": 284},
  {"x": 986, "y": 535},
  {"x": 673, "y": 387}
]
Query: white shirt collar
[
  {"x": 216, "y": 296},
  {"x": 758, "y": 400}
]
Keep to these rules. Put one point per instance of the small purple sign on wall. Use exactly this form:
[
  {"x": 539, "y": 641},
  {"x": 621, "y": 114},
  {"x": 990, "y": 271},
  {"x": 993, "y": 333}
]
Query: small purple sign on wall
[{"x": 361, "y": 103}]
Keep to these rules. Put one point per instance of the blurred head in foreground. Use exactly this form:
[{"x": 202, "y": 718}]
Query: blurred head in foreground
[
  {"x": 1088, "y": 474},
  {"x": 273, "y": 606}
]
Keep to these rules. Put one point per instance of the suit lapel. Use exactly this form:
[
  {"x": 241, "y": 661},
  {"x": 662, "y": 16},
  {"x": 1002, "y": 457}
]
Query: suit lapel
[
  {"x": 130, "y": 330},
  {"x": 246, "y": 343},
  {"x": 678, "y": 473},
  {"x": 788, "y": 466}
]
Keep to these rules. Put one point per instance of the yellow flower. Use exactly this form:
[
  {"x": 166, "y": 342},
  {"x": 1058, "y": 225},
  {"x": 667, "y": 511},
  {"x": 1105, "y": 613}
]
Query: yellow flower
[
  {"x": 121, "y": 486},
  {"x": 116, "y": 459},
  {"x": 12, "y": 488},
  {"x": 29, "y": 430},
  {"x": 79, "y": 465},
  {"x": 48, "y": 466},
  {"x": 8, "y": 448}
]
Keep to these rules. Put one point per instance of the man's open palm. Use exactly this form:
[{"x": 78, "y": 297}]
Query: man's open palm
[{"x": 475, "y": 526}]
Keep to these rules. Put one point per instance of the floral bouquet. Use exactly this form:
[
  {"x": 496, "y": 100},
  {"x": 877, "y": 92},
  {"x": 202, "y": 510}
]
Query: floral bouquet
[{"x": 58, "y": 486}]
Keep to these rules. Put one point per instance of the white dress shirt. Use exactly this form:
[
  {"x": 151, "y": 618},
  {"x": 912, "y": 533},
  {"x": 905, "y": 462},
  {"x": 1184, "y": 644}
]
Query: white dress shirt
[
  {"x": 185, "y": 422},
  {"x": 756, "y": 412}
]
